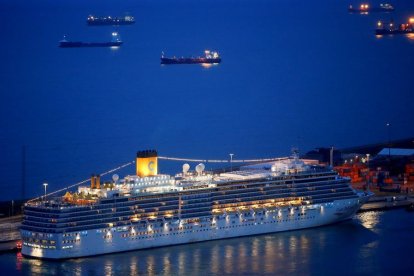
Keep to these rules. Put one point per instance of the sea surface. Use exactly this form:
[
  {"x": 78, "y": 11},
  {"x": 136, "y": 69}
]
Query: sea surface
[
  {"x": 373, "y": 243},
  {"x": 294, "y": 73}
]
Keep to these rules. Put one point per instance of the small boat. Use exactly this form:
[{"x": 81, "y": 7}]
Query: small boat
[
  {"x": 108, "y": 20},
  {"x": 210, "y": 57},
  {"x": 116, "y": 42}
]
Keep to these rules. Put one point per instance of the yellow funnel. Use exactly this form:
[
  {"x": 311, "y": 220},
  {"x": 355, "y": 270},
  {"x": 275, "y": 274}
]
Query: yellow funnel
[{"x": 147, "y": 163}]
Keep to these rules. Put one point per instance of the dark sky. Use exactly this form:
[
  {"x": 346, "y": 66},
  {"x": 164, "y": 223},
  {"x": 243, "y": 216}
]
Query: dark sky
[{"x": 294, "y": 73}]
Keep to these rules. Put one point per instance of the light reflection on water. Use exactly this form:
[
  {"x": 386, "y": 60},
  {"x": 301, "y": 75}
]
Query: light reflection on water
[
  {"x": 369, "y": 219},
  {"x": 410, "y": 36},
  {"x": 358, "y": 241}
]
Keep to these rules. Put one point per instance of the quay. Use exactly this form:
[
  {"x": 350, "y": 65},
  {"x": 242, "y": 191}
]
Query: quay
[
  {"x": 384, "y": 203},
  {"x": 10, "y": 239}
]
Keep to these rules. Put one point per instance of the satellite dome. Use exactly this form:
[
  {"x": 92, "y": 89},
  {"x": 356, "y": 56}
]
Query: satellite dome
[
  {"x": 200, "y": 168},
  {"x": 186, "y": 167}
]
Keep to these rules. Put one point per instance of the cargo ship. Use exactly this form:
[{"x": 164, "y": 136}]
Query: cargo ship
[
  {"x": 108, "y": 20},
  {"x": 148, "y": 209},
  {"x": 391, "y": 28},
  {"x": 116, "y": 42},
  {"x": 209, "y": 57},
  {"x": 365, "y": 8}
]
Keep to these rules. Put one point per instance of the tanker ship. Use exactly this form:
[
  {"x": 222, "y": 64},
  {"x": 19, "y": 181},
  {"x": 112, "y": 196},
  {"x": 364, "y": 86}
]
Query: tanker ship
[
  {"x": 391, "y": 28},
  {"x": 148, "y": 209},
  {"x": 365, "y": 8},
  {"x": 209, "y": 57},
  {"x": 116, "y": 42},
  {"x": 108, "y": 20}
]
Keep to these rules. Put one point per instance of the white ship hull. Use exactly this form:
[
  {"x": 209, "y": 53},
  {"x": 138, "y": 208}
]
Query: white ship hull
[{"x": 110, "y": 240}]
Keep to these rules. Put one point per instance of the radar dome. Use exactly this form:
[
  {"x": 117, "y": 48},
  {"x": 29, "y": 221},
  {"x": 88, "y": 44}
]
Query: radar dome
[
  {"x": 200, "y": 168},
  {"x": 186, "y": 167},
  {"x": 115, "y": 177}
]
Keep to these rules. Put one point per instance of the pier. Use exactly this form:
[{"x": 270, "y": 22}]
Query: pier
[
  {"x": 384, "y": 203},
  {"x": 10, "y": 233}
]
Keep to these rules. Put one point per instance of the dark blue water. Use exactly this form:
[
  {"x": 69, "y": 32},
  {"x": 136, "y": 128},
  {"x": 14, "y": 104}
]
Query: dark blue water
[
  {"x": 294, "y": 73},
  {"x": 374, "y": 243}
]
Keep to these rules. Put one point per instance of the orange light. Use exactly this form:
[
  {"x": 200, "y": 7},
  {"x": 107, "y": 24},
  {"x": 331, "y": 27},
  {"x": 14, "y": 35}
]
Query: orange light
[{"x": 411, "y": 20}]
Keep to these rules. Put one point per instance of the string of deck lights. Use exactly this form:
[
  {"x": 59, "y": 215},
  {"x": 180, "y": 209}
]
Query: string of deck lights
[
  {"x": 169, "y": 159},
  {"x": 85, "y": 181},
  {"x": 222, "y": 160}
]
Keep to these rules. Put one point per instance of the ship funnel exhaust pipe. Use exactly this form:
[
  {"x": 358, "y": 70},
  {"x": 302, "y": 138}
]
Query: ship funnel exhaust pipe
[
  {"x": 93, "y": 181},
  {"x": 98, "y": 182},
  {"x": 147, "y": 163}
]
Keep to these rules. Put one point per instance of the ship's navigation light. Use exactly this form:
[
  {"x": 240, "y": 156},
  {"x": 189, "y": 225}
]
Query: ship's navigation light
[{"x": 379, "y": 24}]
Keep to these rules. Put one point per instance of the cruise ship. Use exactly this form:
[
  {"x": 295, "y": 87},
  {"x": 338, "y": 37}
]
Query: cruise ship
[{"x": 149, "y": 209}]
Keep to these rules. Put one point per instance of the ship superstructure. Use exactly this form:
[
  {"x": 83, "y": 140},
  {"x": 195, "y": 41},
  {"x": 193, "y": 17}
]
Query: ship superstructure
[{"x": 150, "y": 209}]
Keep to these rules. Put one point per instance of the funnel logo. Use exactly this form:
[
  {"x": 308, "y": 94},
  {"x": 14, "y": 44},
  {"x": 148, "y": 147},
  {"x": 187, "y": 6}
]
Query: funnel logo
[{"x": 151, "y": 166}]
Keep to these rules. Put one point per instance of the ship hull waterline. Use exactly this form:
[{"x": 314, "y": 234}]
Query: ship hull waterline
[
  {"x": 233, "y": 226},
  {"x": 189, "y": 61}
]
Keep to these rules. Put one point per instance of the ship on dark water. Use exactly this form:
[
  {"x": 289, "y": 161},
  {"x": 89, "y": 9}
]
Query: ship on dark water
[
  {"x": 108, "y": 20},
  {"x": 365, "y": 8},
  {"x": 210, "y": 57},
  {"x": 116, "y": 42},
  {"x": 391, "y": 28}
]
